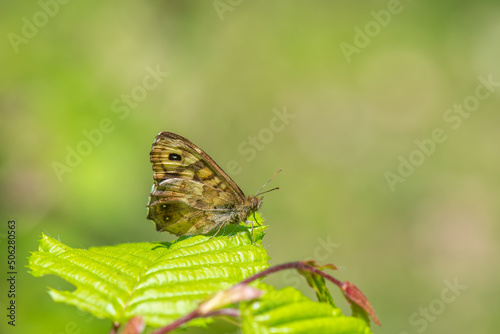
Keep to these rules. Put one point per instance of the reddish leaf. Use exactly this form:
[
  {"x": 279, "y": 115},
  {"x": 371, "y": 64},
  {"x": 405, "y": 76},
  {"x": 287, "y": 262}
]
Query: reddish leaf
[{"x": 353, "y": 294}]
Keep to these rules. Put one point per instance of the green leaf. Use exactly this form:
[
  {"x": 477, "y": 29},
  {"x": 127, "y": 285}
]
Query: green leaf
[
  {"x": 317, "y": 282},
  {"x": 158, "y": 281},
  {"x": 289, "y": 311}
]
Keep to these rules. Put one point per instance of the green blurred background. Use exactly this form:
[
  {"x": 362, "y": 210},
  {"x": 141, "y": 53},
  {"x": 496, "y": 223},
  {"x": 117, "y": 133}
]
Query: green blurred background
[{"x": 233, "y": 66}]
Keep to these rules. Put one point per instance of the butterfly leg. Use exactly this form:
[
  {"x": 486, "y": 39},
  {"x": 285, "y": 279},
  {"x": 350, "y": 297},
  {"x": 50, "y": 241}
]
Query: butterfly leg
[
  {"x": 251, "y": 232},
  {"x": 221, "y": 225},
  {"x": 255, "y": 218}
]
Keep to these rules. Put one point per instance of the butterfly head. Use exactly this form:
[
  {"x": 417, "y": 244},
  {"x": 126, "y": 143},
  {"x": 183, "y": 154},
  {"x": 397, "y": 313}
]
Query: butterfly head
[
  {"x": 251, "y": 205},
  {"x": 254, "y": 203}
]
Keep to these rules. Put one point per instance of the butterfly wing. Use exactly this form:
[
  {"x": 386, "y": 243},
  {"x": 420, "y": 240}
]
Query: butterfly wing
[
  {"x": 180, "y": 219},
  {"x": 191, "y": 193},
  {"x": 187, "y": 207}
]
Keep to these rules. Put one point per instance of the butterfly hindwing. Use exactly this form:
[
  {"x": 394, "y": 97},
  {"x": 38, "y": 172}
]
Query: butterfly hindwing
[{"x": 180, "y": 219}]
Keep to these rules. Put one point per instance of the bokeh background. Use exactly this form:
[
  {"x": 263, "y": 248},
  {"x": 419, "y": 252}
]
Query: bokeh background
[{"x": 336, "y": 93}]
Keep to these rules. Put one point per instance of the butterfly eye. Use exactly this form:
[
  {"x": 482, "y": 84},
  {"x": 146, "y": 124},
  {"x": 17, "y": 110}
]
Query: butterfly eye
[{"x": 174, "y": 156}]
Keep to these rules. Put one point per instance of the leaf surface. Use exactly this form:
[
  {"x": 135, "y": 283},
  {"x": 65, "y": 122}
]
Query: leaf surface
[
  {"x": 158, "y": 281},
  {"x": 289, "y": 311}
]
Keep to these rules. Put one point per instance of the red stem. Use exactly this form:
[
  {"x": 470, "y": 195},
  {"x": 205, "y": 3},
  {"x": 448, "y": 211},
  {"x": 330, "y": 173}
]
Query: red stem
[
  {"x": 114, "y": 329},
  {"x": 196, "y": 314},
  {"x": 291, "y": 265}
]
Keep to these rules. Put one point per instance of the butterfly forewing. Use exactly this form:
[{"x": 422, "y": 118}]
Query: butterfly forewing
[{"x": 174, "y": 156}]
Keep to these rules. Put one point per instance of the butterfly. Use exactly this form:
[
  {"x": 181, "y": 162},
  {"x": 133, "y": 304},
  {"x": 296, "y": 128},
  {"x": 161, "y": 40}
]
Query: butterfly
[{"x": 191, "y": 194}]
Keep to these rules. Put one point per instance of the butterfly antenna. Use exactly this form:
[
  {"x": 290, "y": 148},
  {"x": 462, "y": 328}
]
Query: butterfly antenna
[
  {"x": 265, "y": 184},
  {"x": 277, "y": 188}
]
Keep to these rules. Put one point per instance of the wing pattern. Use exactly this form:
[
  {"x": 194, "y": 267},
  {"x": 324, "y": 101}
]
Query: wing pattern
[{"x": 191, "y": 194}]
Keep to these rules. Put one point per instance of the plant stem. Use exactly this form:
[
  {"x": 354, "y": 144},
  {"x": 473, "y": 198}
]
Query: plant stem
[
  {"x": 114, "y": 329},
  {"x": 196, "y": 314},
  {"x": 291, "y": 265}
]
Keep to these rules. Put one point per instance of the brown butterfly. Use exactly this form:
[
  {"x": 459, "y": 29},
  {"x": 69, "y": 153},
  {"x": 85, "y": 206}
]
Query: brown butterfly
[{"x": 191, "y": 194}]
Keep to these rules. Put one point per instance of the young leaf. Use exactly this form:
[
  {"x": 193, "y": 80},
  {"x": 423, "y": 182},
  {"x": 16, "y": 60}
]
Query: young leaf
[
  {"x": 317, "y": 282},
  {"x": 288, "y": 311},
  {"x": 360, "y": 305},
  {"x": 158, "y": 281}
]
